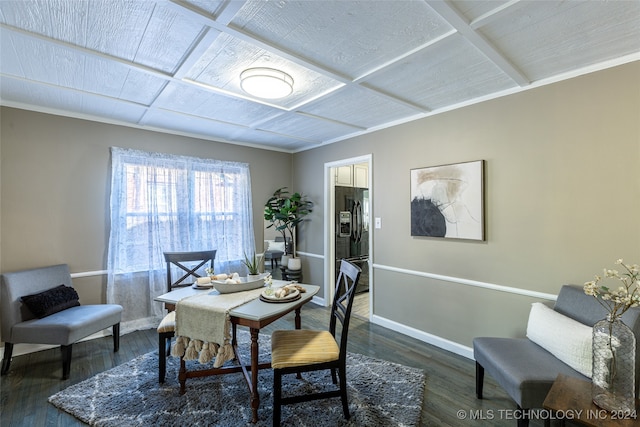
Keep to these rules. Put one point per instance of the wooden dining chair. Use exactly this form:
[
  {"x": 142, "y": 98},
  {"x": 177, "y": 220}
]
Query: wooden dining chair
[
  {"x": 189, "y": 264},
  {"x": 183, "y": 263},
  {"x": 303, "y": 350}
]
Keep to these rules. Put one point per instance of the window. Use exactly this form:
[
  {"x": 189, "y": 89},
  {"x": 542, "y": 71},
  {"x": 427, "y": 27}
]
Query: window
[{"x": 162, "y": 202}]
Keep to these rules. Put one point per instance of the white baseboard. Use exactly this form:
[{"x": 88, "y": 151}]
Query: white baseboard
[
  {"x": 319, "y": 301},
  {"x": 428, "y": 338},
  {"x": 435, "y": 340}
]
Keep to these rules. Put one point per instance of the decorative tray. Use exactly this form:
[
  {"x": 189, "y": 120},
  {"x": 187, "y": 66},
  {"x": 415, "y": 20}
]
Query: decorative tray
[
  {"x": 202, "y": 283},
  {"x": 295, "y": 295},
  {"x": 202, "y": 286},
  {"x": 245, "y": 284}
]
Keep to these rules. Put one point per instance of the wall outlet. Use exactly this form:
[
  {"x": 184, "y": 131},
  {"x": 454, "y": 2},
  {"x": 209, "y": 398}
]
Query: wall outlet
[{"x": 378, "y": 222}]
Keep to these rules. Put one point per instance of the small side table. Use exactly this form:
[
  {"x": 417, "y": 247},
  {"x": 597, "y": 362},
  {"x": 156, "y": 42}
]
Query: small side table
[
  {"x": 291, "y": 274},
  {"x": 571, "y": 397}
]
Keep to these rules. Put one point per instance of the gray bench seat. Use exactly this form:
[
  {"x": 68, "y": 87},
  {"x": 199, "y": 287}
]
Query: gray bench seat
[
  {"x": 527, "y": 371},
  {"x": 524, "y": 369},
  {"x": 67, "y": 326},
  {"x": 63, "y": 328}
]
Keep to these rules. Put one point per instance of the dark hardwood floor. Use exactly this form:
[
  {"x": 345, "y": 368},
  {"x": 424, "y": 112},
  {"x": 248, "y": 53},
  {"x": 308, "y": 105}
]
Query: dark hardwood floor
[{"x": 449, "y": 398}]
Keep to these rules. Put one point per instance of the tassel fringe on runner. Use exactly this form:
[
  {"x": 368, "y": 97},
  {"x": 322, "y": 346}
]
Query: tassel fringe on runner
[{"x": 202, "y": 351}]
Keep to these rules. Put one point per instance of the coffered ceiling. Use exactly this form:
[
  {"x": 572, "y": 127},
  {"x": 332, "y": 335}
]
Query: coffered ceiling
[{"x": 357, "y": 66}]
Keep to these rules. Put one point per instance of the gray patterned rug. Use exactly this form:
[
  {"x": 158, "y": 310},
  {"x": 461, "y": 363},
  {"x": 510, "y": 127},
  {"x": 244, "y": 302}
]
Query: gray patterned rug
[{"x": 380, "y": 394}]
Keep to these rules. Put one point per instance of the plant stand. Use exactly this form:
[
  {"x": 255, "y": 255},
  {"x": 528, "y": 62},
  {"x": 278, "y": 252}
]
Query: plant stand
[{"x": 291, "y": 275}]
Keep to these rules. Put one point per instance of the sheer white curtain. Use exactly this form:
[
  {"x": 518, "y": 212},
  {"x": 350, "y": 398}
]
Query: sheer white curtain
[{"x": 162, "y": 202}]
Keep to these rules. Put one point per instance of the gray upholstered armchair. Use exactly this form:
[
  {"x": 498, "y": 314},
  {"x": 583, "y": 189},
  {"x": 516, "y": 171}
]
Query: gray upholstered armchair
[
  {"x": 39, "y": 306},
  {"x": 525, "y": 369}
]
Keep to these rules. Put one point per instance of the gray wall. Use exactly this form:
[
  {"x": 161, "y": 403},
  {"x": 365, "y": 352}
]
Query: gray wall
[
  {"x": 562, "y": 198},
  {"x": 55, "y": 180}
]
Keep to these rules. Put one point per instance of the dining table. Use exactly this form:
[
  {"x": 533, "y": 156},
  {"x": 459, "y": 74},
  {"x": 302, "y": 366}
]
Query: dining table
[{"x": 255, "y": 315}]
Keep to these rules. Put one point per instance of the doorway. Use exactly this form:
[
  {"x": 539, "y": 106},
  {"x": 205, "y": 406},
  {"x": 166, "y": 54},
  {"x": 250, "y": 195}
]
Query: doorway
[{"x": 348, "y": 226}]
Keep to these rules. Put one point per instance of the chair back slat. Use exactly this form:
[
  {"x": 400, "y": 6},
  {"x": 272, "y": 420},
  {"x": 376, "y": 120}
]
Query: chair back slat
[
  {"x": 178, "y": 260},
  {"x": 343, "y": 302}
]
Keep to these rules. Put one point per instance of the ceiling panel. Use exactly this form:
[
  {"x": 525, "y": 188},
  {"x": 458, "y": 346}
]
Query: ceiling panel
[
  {"x": 313, "y": 128},
  {"x": 23, "y": 57},
  {"x": 140, "y": 31},
  {"x": 548, "y": 38},
  {"x": 334, "y": 33},
  {"x": 357, "y": 65},
  {"x": 44, "y": 96},
  {"x": 211, "y": 7},
  {"x": 188, "y": 124},
  {"x": 452, "y": 71},
  {"x": 478, "y": 10},
  {"x": 358, "y": 106},
  {"x": 184, "y": 98},
  {"x": 74, "y": 103},
  {"x": 166, "y": 41},
  {"x": 270, "y": 140},
  {"x": 56, "y": 65},
  {"x": 96, "y": 106},
  {"x": 57, "y": 19},
  {"x": 221, "y": 66}
]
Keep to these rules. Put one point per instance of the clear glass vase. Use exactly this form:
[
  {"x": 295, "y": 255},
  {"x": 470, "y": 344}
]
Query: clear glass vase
[{"x": 614, "y": 355}]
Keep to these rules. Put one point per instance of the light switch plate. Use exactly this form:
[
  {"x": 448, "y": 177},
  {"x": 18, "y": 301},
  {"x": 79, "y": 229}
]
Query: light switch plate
[{"x": 378, "y": 222}]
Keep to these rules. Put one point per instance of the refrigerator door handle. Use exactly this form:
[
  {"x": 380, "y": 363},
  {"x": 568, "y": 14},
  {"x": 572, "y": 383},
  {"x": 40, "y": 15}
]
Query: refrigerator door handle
[{"x": 357, "y": 221}]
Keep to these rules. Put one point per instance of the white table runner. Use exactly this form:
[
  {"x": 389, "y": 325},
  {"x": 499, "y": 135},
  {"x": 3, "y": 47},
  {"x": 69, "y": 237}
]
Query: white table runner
[{"x": 203, "y": 326}]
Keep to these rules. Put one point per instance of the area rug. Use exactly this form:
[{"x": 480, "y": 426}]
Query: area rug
[{"x": 381, "y": 393}]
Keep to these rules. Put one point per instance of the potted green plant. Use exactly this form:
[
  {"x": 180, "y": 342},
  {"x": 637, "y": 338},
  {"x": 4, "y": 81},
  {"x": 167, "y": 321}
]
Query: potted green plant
[
  {"x": 286, "y": 212},
  {"x": 253, "y": 264}
]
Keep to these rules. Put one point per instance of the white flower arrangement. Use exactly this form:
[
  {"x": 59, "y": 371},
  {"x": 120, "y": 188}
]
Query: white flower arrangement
[
  {"x": 627, "y": 295},
  {"x": 268, "y": 281}
]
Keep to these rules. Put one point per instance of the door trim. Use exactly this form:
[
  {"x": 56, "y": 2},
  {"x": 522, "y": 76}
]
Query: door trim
[{"x": 330, "y": 226}]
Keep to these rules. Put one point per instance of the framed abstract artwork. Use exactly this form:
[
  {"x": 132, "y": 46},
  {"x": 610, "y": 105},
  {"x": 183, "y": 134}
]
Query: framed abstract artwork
[{"x": 448, "y": 201}]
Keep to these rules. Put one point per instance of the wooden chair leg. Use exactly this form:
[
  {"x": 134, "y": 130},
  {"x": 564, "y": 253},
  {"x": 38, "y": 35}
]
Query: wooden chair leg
[
  {"x": 6, "y": 360},
  {"x": 479, "y": 380},
  {"x": 66, "y": 360},
  {"x": 334, "y": 377},
  {"x": 116, "y": 337},
  {"x": 162, "y": 357},
  {"x": 343, "y": 391},
  {"x": 168, "y": 346},
  {"x": 277, "y": 394}
]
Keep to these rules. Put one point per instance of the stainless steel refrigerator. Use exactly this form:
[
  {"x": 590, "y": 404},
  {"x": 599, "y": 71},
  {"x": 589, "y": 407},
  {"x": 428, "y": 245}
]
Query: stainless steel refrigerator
[{"x": 352, "y": 231}]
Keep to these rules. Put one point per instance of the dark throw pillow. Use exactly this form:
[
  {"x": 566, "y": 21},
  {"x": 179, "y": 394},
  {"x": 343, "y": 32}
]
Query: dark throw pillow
[{"x": 51, "y": 301}]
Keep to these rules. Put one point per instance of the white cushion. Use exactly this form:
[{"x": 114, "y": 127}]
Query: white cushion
[
  {"x": 275, "y": 246},
  {"x": 565, "y": 338}
]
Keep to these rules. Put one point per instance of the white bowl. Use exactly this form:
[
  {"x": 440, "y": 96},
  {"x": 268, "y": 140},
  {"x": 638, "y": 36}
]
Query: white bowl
[{"x": 244, "y": 285}]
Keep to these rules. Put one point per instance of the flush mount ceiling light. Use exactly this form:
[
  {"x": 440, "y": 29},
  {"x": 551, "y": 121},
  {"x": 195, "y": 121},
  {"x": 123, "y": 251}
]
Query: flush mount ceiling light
[{"x": 266, "y": 83}]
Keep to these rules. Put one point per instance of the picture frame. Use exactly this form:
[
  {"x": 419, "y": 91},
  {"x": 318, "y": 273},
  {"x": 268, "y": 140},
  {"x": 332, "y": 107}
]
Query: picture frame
[{"x": 447, "y": 201}]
